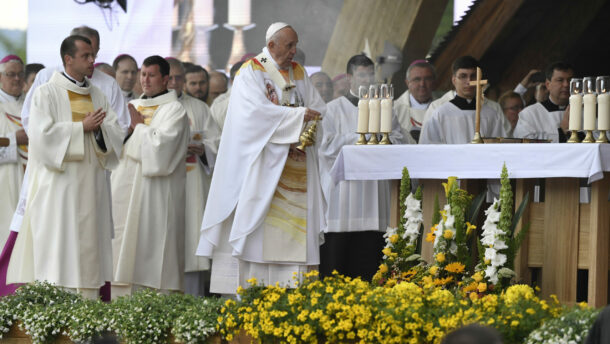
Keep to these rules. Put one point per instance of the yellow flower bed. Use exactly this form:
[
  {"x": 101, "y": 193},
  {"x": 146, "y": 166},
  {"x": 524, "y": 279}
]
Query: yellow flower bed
[{"x": 340, "y": 309}]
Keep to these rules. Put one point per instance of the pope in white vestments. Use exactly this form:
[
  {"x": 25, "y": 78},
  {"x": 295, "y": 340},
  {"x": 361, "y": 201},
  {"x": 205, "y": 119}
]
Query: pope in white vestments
[
  {"x": 65, "y": 236},
  {"x": 148, "y": 189},
  {"x": 265, "y": 202}
]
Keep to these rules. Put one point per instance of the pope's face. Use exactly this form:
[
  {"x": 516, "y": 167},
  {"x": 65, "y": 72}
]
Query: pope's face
[
  {"x": 82, "y": 62},
  {"x": 152, "y": 81},
  {"x": 284, "y": 47},
  {"x": 461, "y": 81},
  {"x": 176, "y": 80},
  {"x": 12, "y": 79},
  {"x": 196, "y": 85},
  {"x": 421, "y": 83},
  {"x": 361, "y": 76},
  {"x": 126, "y": 74}
]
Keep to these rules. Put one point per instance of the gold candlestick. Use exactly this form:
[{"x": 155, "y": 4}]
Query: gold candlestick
[
  {"x": 373, "y": 140},
  {"x": 589, "y": 137},
  {"x": 602, "y": 137},
  {"x": 361, "y": 139},
  {"x": 574, "y": 137},
  {"x": 385, "y": 139},
  {"x": 477, "y": 138}
]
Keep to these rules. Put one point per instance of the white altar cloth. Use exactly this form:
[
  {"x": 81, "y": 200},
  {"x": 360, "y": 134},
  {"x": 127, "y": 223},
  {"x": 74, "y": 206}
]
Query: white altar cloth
[{"x": 472, "y": 161}]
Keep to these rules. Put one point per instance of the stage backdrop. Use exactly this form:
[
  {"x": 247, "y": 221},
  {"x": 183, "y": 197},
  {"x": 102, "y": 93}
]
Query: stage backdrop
[{"x": 144, "y": 30}]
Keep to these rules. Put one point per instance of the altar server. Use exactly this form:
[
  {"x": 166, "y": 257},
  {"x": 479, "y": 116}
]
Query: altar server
[
  {"x": 148, "y": 189},
  {"x": 357, "y": 212},
  {"x": 65, "y": 235},
  {"x": 265, "y": 201},
  {"x": 454, "y": 121}
]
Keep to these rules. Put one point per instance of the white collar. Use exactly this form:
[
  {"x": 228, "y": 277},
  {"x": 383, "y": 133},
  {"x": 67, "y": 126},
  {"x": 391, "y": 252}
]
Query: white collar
[
  {"x": 8, "y": 96},
  {"x": 266, "y": 52},
  {"x": 417, "y": 105},
  {"x": 78, "y": 83}
]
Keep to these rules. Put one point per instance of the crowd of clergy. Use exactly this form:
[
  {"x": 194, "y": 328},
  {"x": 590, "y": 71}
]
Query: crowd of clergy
[{"x": 167, "y": 176}]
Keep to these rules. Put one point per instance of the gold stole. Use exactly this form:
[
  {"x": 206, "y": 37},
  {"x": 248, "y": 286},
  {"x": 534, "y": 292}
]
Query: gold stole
[
  {"x": 147, "y": 112},
  {"x": 80, "y": 104},
  {"x": 22, "y": 150},
  {"x": 285, "y": 236}
]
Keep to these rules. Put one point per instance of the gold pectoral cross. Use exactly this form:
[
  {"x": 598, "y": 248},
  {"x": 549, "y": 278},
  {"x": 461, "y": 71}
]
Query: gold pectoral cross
[{"x": 479, "y": 102}]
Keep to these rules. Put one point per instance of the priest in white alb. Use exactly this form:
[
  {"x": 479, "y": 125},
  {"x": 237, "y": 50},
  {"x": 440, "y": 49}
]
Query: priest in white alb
[
  {"x": 264, "y": 211},
  {"x": 65, "y": 237},
  {"x": 357, "y": 212},
  {"x": 200, "y": 157},
  {"x": 13, "y": 158},
  {"x": 544, "y": 120},
  {"x": 454, "y": 121},
  {"x": 148, "y": 189}
]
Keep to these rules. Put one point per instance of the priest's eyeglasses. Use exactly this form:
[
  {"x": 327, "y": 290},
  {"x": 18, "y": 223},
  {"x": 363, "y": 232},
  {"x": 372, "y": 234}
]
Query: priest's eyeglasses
[{"x": 11, "y": 75}]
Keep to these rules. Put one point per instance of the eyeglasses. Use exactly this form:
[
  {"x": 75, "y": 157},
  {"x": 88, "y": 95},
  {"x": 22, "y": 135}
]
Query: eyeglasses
[{"x": 11, "y": 75}]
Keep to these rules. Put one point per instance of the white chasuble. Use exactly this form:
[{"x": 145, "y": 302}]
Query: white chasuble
[
  {"x": 65, "y": 237},
  {"x": 537, "y": 122},
  {"x": 13, "y": 160},
  {"x": 219, "y": 108},
  {"x": 352, "y": 206},
  {"x": 409, "y": 117},
  {"x": 204, "y": 130},
  {"x": 255, "y": 145},
  {"x": 148, "y": 197},
  {"x": 451, "y": 125}
]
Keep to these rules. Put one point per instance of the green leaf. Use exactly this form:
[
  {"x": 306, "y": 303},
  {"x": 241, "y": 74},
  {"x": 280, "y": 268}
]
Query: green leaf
[
  {"x": 475, "y": 208},
  {"x": 413, "y": 257}
]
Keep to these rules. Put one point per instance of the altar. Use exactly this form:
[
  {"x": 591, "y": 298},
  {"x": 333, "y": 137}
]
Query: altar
[{"x": 565, "y": 236}]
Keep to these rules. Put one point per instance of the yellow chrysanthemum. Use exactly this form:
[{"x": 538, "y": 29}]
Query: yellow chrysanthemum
[
  {"x": 455, "y": 267},
  {"x": 387, "y": 251},
  {"x": 433, "y": 270},
  {"x": 440, "y": 257},
  {"x": 477, "y": 277},
  {"x": 394, "y": 238},
  {"x": 482, "y": 287},
  {"x": 252, "y": 281},
  {"x": 448, "y": 234},
  {"x": 430, "y": 237},
  {"x": 383, "y": 268}
]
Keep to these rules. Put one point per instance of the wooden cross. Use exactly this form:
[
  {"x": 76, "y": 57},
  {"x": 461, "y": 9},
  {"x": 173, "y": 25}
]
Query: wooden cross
[{"x": 479, "y": 101}]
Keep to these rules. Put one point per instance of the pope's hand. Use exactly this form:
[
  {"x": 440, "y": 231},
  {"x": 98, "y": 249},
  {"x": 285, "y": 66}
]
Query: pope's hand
[
  {"x": 196, "y": 149},
  {"x": 310, "y": 115},
  {"x": 136, "y": 117},
  {"x": 93, "y": 120}
]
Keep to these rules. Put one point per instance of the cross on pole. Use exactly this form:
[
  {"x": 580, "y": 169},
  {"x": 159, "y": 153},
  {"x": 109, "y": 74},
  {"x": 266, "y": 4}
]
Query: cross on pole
[{"x": 479, "y": 101}]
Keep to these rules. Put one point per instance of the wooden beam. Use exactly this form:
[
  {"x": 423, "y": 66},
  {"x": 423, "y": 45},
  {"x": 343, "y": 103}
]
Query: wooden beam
[
  {"x": 599, "y": 235},
  {"x": 475, "y": 36},
  {"x": 379, "y": 21},
  {"x": 524, "y": 186}
]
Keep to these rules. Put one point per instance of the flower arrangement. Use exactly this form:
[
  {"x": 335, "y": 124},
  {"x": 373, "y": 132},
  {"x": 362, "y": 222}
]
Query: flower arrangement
[
  {"x": 571, "y": 327},
  {"x": 400, "y": 259},
  {"x": 339, "y": 309}
]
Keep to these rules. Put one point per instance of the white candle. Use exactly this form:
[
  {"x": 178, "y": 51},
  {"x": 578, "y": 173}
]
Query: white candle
[
  {"x": 374, "y": 115},
  {"x": 203, "y": 12},
  {"x": 603, "y": 111},
  {"x": 575, "y": 112},
  {"x": 590, "y": 107},
  {"x": 239, "y": 12},
  {"x": 363, "y": 116},
  {"x": 386, "y": 115}
]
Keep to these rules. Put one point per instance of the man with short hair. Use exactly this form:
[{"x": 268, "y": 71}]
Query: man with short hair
[
  {"x": 353, "y": 238},
  {"x": 544, "y": 120},
  {"x": 13, "y": 158},
  {"x": 31, "y": 69},
  {"x": 197, "y": 82},
  {"x": 321, "y": 81},
  {"x": 221, "y": 103},
  {"x": 200, "y": 157},
  {"x": 148, "y": 189},
  {"x": 512, "y": 104},
  {"x": 126, "y": 71},
  {"x": 411, "y": 107},
  {"x": 264, "y": 210},
  {"x": 65, "y": 238},
  {"x": 219, "y": 84},
  {"x": 340, "y": 86},
  {"x": 454, "y": 121},
  {"x": 106, "y": 68}
]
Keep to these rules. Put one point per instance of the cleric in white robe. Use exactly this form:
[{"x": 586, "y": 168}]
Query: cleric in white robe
[
  {"x": 454, "y": 121},
  {"x": 148, "y": 189},
  {"x": 74, "y": 138},
  {"x": 13, "y": 158},
  {"x": 265, "y": 203},
  {"x": 357, "y": 212},
  {"x": 200, "y": 157},
  {"x": 543, "y": 120}
]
